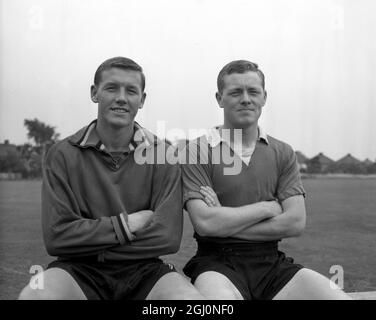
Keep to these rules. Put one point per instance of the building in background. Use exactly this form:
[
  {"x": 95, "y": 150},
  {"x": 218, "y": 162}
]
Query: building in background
[
  {"x": 319, "y": 164},
  {"x": 348, "y": 164}
]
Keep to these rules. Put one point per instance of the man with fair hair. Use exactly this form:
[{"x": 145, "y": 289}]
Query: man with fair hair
[
  {"x": 239, "y": 218},
  {"x": 106, "y": 216}
]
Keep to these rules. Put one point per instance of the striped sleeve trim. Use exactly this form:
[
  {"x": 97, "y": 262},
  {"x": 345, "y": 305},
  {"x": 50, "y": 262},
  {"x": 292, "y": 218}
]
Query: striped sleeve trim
[
  {"x": 118, "y": 231},
  {"x": 122, "y": 228},
  {"x": 124, "y": 219}
]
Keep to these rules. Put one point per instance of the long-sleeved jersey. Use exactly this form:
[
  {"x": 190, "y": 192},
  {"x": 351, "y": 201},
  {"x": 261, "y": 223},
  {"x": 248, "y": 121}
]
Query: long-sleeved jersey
[{"x": 87, "y": 194}]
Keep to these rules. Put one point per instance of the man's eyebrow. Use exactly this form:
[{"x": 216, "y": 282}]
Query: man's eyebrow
[
  {"x": 240, "y": 88},
  {"x": 110, "y": 83},
  {"x": 133, "y": 86},
  {"x": 115, "y": 83}
]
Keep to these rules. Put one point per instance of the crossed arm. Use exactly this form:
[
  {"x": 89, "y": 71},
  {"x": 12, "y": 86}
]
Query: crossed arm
[{"x": 262, "y": 221}]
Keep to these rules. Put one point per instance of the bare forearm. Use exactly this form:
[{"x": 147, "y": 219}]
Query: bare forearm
[
  {"x": 228, "y": 221},
  {"x": 283, "y": 226}
]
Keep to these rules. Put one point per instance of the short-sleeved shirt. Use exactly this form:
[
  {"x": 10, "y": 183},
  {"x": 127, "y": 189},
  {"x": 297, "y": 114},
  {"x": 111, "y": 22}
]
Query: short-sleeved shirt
[{"x": 271, "y": 174}]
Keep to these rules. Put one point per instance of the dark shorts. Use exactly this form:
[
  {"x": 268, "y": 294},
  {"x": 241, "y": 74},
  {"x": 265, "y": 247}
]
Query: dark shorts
[
  {"x": 114, "y": 280},
  {"x": 259, "y": 271}
]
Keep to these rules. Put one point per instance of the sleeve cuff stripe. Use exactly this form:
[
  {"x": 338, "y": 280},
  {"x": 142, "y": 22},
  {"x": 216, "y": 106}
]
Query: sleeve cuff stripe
[
  {"x": 125, "y": 225},
  {"x": 118, "y": 231},
  {"x": 122, "y": 228}
]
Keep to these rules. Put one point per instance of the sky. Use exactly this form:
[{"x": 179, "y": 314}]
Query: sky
[{"x": 318, "y": 56}]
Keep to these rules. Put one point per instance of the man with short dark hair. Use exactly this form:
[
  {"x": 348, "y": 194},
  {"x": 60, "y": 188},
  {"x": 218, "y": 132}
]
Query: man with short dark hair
[
  {"x": 105, "y": 216},
  {"x": 240, "y": 217}
]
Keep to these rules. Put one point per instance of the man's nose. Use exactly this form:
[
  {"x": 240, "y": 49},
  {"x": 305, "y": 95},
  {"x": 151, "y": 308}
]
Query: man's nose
[
  {"x": 245, "y": 98},
  {"x": 122, "y": 96}
]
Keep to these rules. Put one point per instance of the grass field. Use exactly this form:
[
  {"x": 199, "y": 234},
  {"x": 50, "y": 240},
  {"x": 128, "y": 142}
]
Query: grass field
[{"x": 341, "y": 224}]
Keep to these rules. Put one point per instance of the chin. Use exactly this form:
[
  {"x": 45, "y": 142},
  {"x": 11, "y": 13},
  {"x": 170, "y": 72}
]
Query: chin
[
  {"x": 244, "y": 123},
  {"x": 120, "y": 123}
]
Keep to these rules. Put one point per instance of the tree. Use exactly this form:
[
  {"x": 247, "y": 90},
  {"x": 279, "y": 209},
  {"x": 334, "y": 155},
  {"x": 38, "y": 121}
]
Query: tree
[
  {"x": 12, "y": 163},
  {"x": 40, "y": 132},
  {"x": 371, "y": 169},
  {"x": 44, "y": 137}
]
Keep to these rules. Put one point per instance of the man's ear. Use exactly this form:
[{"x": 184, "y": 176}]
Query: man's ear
[
  {"x": 143, "y": 98},
  {"x": 265, "y": 96},
  {"x": 93, "y": 93},
  {"x": 218, "y": 96}
]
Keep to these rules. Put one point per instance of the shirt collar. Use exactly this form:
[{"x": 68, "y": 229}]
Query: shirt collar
[
  {"x": 214, "y": 138},
  {"x": 88, "y": 137}
]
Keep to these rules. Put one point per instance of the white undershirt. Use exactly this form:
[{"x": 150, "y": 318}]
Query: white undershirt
[{"x": 244, "y": 153}]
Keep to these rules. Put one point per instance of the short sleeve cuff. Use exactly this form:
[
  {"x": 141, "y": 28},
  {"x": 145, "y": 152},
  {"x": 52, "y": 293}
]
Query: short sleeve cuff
[
  {"x": 290, "y": 193},
  {"x": 190, "y": 195}
]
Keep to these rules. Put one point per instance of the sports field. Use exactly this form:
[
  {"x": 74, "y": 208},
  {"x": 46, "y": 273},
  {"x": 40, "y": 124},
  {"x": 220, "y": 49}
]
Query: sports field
[{"x": 341, "y": 224}]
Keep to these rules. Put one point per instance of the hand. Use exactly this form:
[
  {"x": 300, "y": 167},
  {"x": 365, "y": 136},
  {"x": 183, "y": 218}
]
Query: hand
[
  {"x": 139, "y": 220},
  {"x": 210, "y": 197},
  {"x": 273, "y": 208}
]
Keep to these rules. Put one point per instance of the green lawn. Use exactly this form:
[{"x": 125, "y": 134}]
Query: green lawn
[{"x": 341, "y": 224}]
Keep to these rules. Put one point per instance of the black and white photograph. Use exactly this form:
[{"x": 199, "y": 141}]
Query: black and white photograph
[{"x": 187, "y": 150}]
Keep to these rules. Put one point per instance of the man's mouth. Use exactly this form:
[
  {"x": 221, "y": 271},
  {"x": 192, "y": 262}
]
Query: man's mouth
[
  {"x": 119, "y": 110},
  {"x": 246, "y": 109}
]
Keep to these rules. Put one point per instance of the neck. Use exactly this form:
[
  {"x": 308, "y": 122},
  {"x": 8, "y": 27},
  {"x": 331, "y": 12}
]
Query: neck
[
  {"x": 115, "y": 139},
  {"x": 249, "y": 134}
]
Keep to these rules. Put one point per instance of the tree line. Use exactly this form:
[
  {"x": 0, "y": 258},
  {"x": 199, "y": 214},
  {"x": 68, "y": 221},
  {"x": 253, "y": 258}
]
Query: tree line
[{"x": 27, "y": 159}]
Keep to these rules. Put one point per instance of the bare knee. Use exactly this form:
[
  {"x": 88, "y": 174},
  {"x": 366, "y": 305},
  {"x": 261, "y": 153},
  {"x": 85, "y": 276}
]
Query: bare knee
[
  {"x": 309, "y": 284},
  {"x": 52, "y": 284},
  {"x": 219, "y": 293},
  {"x": 181, "y": 289},
  {"x": 29, "y": 293},
  {"x": 216, "y": 286},
  {"x": 36, "y": 289}
]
